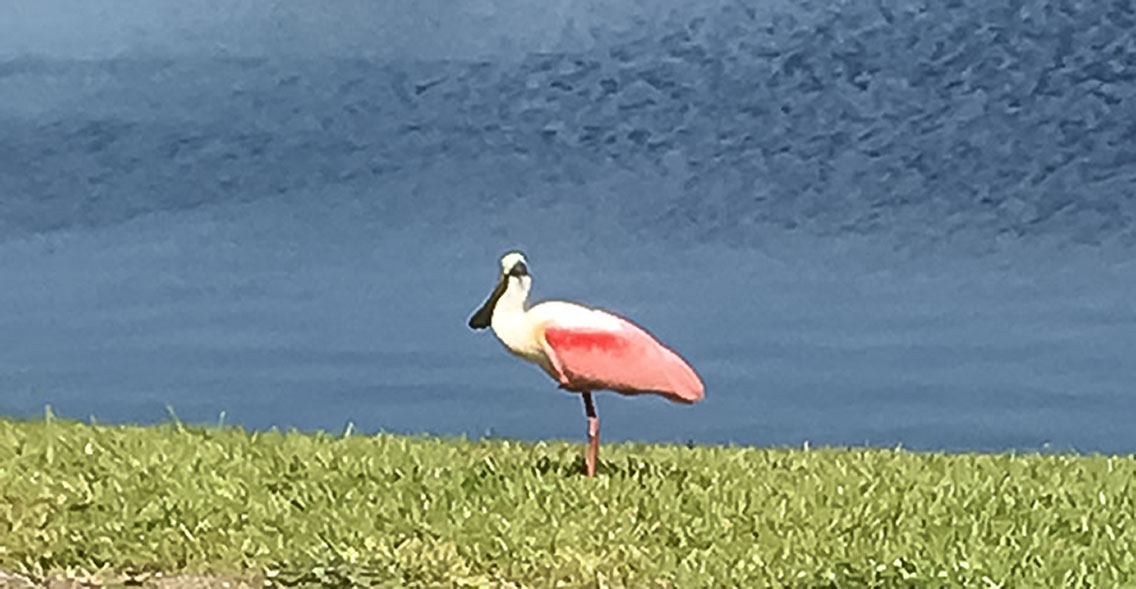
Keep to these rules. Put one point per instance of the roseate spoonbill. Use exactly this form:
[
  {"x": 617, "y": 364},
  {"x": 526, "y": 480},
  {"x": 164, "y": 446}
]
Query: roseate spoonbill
[{"x": 582, "y": 348}]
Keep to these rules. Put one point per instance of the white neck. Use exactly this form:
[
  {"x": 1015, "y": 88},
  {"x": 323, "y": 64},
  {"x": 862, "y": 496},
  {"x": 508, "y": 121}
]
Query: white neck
[
  {"x": 516, "y": 296},
  {"x": 509, "y": 320}
]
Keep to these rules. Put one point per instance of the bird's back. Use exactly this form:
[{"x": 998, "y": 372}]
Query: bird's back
[{"x": 590, "y": 349}]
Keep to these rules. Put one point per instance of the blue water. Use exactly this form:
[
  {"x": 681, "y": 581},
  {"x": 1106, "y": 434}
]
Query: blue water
[{"x": 867, "y": 223}]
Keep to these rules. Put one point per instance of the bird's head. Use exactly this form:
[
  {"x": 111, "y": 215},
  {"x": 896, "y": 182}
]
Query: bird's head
[
  {"x": 513, "y": 265},
  {"x": 514, "y": 278}
]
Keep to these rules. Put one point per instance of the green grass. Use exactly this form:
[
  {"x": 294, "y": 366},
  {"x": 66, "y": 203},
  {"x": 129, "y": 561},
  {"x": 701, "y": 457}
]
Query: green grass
[{"x": 419, "y": 511}]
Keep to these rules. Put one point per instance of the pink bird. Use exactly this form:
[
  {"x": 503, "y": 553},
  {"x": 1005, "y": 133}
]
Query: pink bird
[{"x": 582, "y": 348}]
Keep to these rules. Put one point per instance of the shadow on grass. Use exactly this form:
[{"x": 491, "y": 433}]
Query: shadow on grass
[{"x": 625, "y": 468}]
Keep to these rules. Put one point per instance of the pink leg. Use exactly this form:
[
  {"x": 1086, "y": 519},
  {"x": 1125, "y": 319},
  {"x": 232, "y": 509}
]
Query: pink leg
[{"x": 593, "y": 454}]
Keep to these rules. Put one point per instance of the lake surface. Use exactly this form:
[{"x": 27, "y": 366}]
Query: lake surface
[{"x": 873, "y": 224}]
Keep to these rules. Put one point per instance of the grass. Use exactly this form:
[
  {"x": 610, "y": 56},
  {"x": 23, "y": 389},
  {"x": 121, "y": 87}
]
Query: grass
[{"x": 417, "y": 511}]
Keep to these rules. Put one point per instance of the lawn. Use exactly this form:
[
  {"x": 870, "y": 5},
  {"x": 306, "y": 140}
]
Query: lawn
[{"x": 299, "y": 508}]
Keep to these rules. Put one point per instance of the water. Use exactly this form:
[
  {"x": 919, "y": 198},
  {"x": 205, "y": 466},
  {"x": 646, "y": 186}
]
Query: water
[{"x": 853, "y": 244}]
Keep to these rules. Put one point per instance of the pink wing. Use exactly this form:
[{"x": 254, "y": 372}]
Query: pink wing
[{"x": 621, "y": 357}]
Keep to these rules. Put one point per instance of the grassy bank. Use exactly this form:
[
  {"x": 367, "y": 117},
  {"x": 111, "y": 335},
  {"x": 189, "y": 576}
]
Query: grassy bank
[{"x": 428, "y": 512}]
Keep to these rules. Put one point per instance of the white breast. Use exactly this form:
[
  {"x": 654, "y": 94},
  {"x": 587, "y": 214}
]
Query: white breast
[{"x": 517, "y": 332}]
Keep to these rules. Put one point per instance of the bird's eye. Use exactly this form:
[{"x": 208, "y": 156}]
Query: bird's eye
[{"x": 519, "y": 269}]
